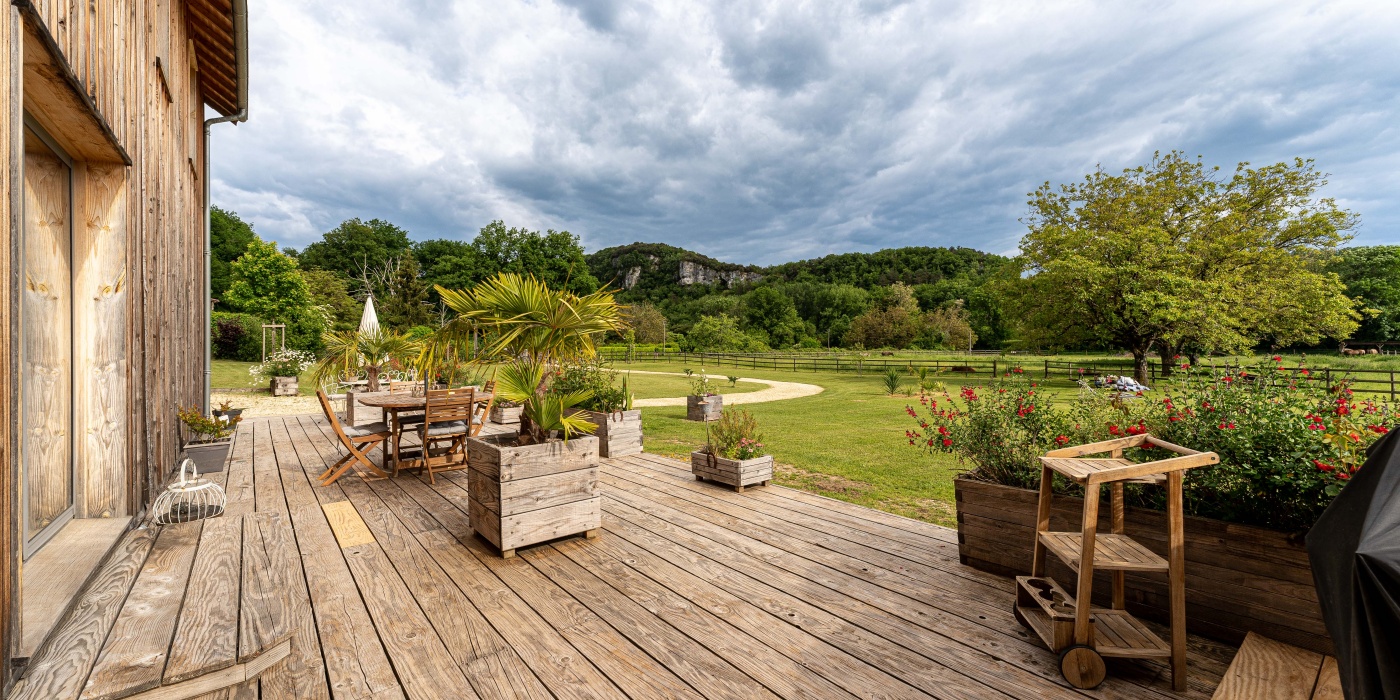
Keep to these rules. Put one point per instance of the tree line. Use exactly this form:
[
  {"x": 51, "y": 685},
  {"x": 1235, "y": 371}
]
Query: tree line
[{"x": 1173, "y": 259}]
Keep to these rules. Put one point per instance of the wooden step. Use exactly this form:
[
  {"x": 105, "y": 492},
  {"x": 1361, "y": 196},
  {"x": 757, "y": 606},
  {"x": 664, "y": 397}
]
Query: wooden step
[{"x": 1111, "y": 552}]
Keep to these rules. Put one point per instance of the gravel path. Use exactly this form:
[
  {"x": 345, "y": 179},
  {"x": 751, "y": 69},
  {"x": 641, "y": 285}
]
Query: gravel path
[
  {"x": 776, "y": 391},
  {"x": 257, "y": 405}
]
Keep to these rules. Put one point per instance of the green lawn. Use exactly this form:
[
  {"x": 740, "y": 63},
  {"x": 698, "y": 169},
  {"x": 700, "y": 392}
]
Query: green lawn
[
  {"x": 232, "y": 374},
  {"x": 847, "y": 442}
]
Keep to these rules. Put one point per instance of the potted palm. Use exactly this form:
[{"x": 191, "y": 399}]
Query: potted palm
[
  {"x": 703, "y": 403},
  {"x": 352, "y": 353},
  {"x": 735, "y": 454},
  {"x": 541, "y": 482}
]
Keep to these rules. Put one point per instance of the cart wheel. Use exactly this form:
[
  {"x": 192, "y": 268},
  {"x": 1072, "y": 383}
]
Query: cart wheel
[
  {"x": 1082, "y": 666},
  {"x": 1016, "y": 611}
]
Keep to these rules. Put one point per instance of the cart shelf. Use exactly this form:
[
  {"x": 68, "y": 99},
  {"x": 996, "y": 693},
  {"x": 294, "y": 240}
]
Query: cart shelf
[
  {"x": 1115, "y": 633},
  {"x": 1111, "y": 552}
]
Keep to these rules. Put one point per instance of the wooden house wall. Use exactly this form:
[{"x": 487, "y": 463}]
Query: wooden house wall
[
  {"x": 138, "y": 258},
  {"x": 9, "y": 132}
]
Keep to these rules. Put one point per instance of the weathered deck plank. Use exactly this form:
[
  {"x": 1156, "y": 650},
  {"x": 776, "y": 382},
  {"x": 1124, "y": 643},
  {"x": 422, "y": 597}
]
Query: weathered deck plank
[{"x": 690, "y": 592}]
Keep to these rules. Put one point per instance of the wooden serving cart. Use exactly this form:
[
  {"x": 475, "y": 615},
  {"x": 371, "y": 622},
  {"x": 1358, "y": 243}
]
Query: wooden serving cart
[{"x": 1083, "y": 634}]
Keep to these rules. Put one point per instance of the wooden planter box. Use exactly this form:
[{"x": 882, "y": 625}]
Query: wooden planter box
[
  {"x": 506, "y": 415},
  {"x": 619, "y": 433},
  {"x": 704, "y": 408},
  {"x": 1238, "y": 578},
  {"x": 521, "y": 496},
  {"x": 739, "y": 473},
  {"x": 284, "y": 386}
]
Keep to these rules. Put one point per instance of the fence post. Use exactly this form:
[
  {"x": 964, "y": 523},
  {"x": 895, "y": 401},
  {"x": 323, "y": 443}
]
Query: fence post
[
  {"x": 994, "y": 369},
  {"x": 1047, "y": 369},
  {"x": 1392, "y": 386}
]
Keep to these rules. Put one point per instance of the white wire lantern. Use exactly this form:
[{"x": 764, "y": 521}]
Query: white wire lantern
[{"x": 189, "y": 498}]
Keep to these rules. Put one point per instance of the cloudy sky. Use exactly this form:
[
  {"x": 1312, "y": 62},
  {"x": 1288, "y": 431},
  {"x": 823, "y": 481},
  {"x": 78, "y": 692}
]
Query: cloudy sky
[{"x": 761, "y": 132}]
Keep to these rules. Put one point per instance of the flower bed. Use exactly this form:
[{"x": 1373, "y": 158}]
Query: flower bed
[
  {"x": 1287, "y": 445},
  {"x": 1287, "y": 442}
]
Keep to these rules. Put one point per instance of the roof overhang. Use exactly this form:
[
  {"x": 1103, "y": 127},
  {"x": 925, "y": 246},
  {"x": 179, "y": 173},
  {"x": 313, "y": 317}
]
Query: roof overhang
[{"x": 219, "y": 31}]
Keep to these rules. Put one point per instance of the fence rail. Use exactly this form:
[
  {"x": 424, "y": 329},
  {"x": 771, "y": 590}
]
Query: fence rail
[{"x": 1367, "y": 381}]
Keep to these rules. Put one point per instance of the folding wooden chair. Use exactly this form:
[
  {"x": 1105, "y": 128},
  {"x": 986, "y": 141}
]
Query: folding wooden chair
[
  {"x": 480, "y": 417},
  {"x": 358, "y": 440},
  {"x": 447, "y": 419}
]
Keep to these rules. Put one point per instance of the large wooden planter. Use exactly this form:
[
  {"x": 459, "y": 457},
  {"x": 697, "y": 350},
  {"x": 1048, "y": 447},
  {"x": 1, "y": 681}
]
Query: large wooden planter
[
  {"x": 284, "y": 386},
  {"x": 1238, "y": 578},
  {"x": 506, "y": 415},
  {"x": 524, "y": 495},
  {"x": 704, "y": 408},
  {"x": 739, "y": 473},
  {"x": 619, "y": 433}
]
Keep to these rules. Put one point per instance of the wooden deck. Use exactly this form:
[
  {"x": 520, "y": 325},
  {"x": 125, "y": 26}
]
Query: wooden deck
[{"x": 691, "y": 591}]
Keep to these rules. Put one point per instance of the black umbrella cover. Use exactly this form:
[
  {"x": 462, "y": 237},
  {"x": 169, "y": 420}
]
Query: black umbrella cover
[{"x": 1355, "y": 553}]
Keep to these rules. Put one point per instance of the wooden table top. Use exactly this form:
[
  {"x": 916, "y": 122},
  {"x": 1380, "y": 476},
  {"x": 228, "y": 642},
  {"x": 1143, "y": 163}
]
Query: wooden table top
[{"x": 405, "y": 399}]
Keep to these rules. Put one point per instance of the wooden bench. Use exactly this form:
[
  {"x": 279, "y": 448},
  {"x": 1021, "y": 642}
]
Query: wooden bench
[
  {"x": 1264, "y": 669},
  {"x": 181, "y": 611}
]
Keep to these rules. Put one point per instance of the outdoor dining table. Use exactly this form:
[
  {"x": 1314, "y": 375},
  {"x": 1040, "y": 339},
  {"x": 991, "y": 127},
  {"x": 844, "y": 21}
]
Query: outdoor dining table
[{"x": 399, "y": 401}]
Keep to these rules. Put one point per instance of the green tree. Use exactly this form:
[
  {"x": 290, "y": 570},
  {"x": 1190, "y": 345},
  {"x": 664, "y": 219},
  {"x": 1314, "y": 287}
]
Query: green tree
[
  {"x": 771, "y": 316},
  {"x": 450, "y": 264},
  {"x": 229, "y": 237},
  {"x": 1372, "y": 275},
  {"x": 553, "y": 257},
  {"x": 646, "y": 321},
  {"x": 355, "y": 246},
  {"x": 330, "y": 294},
  {"x": 404, "y": 300},
  {"x": 1171, "y": 257},
  {"x": 268, "y": 284},
  {"x": 720, "y": 334}
]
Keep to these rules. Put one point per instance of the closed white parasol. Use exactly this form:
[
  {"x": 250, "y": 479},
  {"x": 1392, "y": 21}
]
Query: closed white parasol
[{"x": 369, "y": 321}]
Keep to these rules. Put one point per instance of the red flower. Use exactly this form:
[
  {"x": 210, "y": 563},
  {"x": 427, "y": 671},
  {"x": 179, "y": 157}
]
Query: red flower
[
  {"x": 910, "y": 411},
  {"x": 1227, "y": 379},
  {"x": 942, "y": 430},
  {"x": 1061, "y": 439},
  {"x": 1113, "y": 430},
  {"x": 1323, "y": 465},
  {"x": 1186, "y": 365},
  {"x": 1173, "y": 418},
  {"x": 1381, "y": 429},
  {"x": 1278, "y": 358},
  {"x": 930, "y": 442},
  {"x": 1304, "y": 372},
  {"x": 1343, "y": 476},
  {"x": 947, "y": 442}
]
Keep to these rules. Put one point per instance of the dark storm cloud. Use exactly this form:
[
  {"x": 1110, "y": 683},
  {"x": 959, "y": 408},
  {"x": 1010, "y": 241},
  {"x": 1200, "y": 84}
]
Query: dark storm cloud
[{"x": 767, "y": 131}]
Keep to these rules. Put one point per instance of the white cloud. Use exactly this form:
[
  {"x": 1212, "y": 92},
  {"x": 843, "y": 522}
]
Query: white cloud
[{"x": 767, "y": 131}]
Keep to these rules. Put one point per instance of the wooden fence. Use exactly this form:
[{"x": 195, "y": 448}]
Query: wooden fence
[{"x": 1363, "y": 381}]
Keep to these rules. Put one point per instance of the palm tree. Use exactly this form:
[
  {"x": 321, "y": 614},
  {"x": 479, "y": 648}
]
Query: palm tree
[
  {"x": 531, "y": 329},
  {"x": 348, "y": 352}
]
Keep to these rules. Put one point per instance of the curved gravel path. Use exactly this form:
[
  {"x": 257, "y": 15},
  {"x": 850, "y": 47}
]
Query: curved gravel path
[{"x": 776, "y": 391}]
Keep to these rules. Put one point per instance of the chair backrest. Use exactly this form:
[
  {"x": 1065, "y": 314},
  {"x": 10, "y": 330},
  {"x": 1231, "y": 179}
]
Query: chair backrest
[
  {"x": 446, "y": 405},
  {"x": 489, "y": 387},
  {"x": 333, "y": 418},
  {"x": 401, "y": 385}
]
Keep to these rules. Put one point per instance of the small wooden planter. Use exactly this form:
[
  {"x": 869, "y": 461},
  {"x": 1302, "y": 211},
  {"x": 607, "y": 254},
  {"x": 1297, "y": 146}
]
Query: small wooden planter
[
  {"x": 506, "y": 415},
  {"x": 284, "y": 386},
  {"x": 619, "y": 433},
  {"x": 1240, "y": 578},
  {"x": 529, "y": 494},
  {"x": 739, "y": 473},
  {"x": 704, "y": 408}
]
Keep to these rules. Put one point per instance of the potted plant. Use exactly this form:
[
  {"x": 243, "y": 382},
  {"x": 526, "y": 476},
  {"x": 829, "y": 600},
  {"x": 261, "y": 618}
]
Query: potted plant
[
  {"x": 619, "y": 430},
  {"x": 703, "y": 403},
  {"x": 207, "y": 439},
  {"x": 735, "y": 454},
  {"x": 541, "y": 482},
  {"x": 281, "y": 369},
  {"x": 505, "y": 412},
  {"x": 350, "y": 353},
  {"x": 226, "y": 409}
]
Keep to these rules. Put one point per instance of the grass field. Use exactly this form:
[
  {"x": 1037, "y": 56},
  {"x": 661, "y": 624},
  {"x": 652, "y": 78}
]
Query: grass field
[{"x": 846, "y": 442}]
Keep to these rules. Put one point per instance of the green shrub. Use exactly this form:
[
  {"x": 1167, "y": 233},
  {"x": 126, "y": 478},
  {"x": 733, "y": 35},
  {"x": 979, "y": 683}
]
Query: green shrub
[
  {"x": 595, "y": 379},
  {"x": 235, "y": 336},
  {"x": 1287, "y": 442}
]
